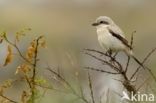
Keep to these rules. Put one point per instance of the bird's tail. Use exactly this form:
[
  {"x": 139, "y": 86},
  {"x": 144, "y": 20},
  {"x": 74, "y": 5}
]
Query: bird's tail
[{"x": 129, "y": 51}]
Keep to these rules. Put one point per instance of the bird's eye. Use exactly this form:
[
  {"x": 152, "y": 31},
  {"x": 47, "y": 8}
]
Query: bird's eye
[
  {"x": 104, "y": 22},
  {"x": 101, "y": 22}
]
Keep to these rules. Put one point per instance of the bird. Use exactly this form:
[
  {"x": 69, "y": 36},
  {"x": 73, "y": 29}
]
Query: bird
[{"x": 112, "y": 38}]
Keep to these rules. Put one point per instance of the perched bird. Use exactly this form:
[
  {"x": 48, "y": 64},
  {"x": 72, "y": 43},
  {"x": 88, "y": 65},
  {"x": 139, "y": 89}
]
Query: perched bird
[{"x": 111, "y": 37}]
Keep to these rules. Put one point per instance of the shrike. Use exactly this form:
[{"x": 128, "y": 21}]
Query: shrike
[{"x": 111, "y": 37}]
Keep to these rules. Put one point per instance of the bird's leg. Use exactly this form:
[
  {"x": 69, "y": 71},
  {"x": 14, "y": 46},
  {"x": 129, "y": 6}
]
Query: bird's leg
[
  {"x": 112, "y": 60},
  {"x": 109, "y": 53},
  {"x": 115, "y": 55}
]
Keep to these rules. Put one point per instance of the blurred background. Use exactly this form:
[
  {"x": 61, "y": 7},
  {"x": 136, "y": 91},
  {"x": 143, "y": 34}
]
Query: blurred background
[{"x": 66, "y": 25}]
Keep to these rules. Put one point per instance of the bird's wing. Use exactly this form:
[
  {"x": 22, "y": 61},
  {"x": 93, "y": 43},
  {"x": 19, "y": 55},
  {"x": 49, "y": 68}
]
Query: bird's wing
[
  {"x": 117, "y": 33},
  {"x": 116, "y": 30}
]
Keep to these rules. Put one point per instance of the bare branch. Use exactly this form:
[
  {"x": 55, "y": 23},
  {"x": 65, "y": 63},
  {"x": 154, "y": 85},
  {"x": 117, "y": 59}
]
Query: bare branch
[
  {"x": 18, "y": 50},
  {"x": 132, "y": 38},
  {"x": 96, "y": 51},
  {"x": 131, "y": 44},
  {"x": 91, "y": 88},
  {"x": 145, "y": 59},
  {"x": 10, "y": 100},
  {"x": 68, "y": 84},
  {"x": 99, "y": 70},
  {"x": 106, "y": 62},
  {"x": 105, "y": 54},
  {"x": 34, "y": 68},
  {"x": 128, "y": 60},
  {"x": 142, "y": 84}
]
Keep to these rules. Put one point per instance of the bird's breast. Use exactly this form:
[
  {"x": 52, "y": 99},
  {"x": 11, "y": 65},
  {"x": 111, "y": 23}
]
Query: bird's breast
[
  {"x": 104, "y": 37},
  {"x": 107, "y": 41},
  {"x": 102, "y": 31}
]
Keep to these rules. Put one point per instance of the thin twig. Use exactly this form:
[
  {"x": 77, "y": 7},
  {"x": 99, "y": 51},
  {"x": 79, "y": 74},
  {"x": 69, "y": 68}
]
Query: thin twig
[
  {"x": 118, "y": 80},
  {"x": 34, "y": 68},
  {"x": 142, "y": 84},
  {"x": 105, "y": 54},
  {"x": 80, "y": 87},
  {"x": 99, "y": 70},
  {"x": 18, "y": 50},
  {"x": 119, "y": 70},
  {"x": 28, "y": 81},
  {"x": 58, "y": 90},
  {"x": 61, "y": 78},
  {"x": 10, "y": 100},
  {"x": 128, "y": 60},
  {"x": 132, "y": 38},
  {"x": 50, "y": 88},
  {"x": 91, "y": 88},
  {"x": 106, "y": 62},
  {"x": 96, "y": 51},
  {"x": 145, "y": 59},
  {"x": 68, "y": 84},
  {"x": 131, "y": 44}
]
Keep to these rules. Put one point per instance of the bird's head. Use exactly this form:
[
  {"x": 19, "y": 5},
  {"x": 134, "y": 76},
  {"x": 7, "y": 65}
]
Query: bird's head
[{"x": 103, "y": 21}]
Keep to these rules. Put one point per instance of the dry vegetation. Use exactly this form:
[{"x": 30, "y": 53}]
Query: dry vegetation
[{"x": 36, "y": 85}]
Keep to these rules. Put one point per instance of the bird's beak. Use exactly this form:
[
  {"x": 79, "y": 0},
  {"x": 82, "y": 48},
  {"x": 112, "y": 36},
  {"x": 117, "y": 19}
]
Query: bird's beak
[{"x": 95, "y": 24}]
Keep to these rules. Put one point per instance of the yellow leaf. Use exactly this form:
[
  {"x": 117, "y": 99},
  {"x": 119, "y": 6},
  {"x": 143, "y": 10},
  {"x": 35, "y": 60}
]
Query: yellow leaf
[
  {"x": 9, "y": 49},
  {"x": 30, "y": 51},
  {"x": 24, "y": 97},
  {"x": 24, "y": 68},
  {"x": 9, "y": 56}
]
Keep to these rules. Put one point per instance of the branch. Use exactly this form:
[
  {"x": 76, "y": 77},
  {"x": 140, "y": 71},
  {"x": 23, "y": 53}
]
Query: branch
[
  {"x": 131, "y": 44},
  {"x": 145, "y": 59},
  {"x": 128, "y": 60},
  {"x": 91, "y": 88},
  {"x": 132, "y": 38},
  {"x": 105, "y": 54},
  {"x": 99, "y": 70},
  {"x": 106, "y": 62},
  {"x": 18, "y": 50},
  {"x": 12, "y": 101},
  {"x": 68, "y": 84},
  {"x": 34, "y": 68}
]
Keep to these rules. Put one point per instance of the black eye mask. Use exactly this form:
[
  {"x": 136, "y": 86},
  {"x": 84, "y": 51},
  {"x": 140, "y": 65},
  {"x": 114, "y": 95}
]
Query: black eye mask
[{"x": 104, "y": 22}]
